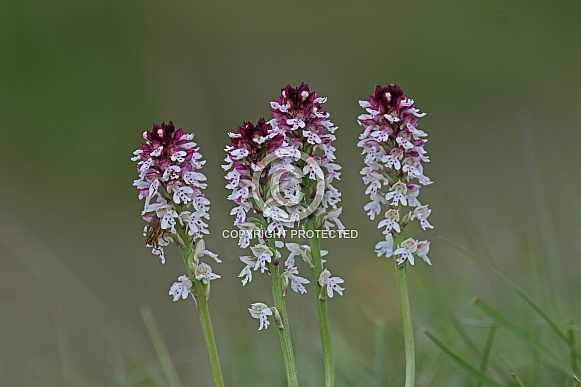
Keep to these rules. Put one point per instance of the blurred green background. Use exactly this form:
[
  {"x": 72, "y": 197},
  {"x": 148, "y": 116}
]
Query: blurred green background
[{"x": 81, "y": 80}]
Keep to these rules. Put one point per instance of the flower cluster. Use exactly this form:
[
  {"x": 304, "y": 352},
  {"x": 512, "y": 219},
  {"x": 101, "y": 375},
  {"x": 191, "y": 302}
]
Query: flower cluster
[
  {"x": 248, "y": 146},
  {"x": 283, "y": 171},
  {"x": 394, "y": 151},
  {"x": 298, "y": 114},
  {"x": 175, "y": 207},
  {"x": 307, "y": 128},
  {"x": 291, "y": 158}
]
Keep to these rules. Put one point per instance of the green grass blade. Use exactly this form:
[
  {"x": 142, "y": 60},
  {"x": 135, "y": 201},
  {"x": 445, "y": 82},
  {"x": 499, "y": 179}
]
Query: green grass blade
[
  {"x": 458, "y": 321},
  {"x": 476, "y": 373},
  {"x": 380, "y": 353},
  {"x": 144, "y": 374},
  {"x": 501, "y": 320},
  {"x": 487, "y": 349},
  {"x": 516, "y": 379},
  {"x": 64, "y": 352},
  {"x": 571, "y": 340},
  {"x": 160, "y": 347},
  {"x": 518, "y": 290},
  {"x": 464, "y": 336},
  {"x": 434, "y": 381}
]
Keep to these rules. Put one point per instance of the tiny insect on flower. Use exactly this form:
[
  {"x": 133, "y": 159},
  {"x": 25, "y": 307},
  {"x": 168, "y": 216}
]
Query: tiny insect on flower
[{"x": 154, "y": 232}]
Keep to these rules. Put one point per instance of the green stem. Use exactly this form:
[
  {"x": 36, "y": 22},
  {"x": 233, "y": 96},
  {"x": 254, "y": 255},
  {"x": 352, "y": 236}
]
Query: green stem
[
  {"x": 323, "y": 314},
  {"x": 284, "y": 330},
  {"x": 200, "y": 294},
  {"x": 406, "y": 317},
  {"x": 209, "y": 336},
  {"x": 571, "y": 338}
]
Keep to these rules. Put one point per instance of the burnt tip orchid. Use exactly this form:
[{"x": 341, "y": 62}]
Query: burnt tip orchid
[
  {"x": 393, "y": 146},
  {"x": 175, "y": 209},
  {"x": 282, "y": 172}
]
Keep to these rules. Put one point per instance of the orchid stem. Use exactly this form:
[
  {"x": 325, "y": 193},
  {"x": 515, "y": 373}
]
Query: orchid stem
[
  {"x": 406, "y": 317},
  {"x": 323, "y": 313},
  {"x": 284, "y": 330},
  {"x": 200, "y": 294},
  {"x": 209, "y": 339}
]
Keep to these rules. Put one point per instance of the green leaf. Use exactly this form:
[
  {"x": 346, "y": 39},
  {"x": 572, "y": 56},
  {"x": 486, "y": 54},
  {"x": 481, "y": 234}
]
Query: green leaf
[
  {"x": 476, "y": 373},
  {"x": 520, "y": 292},
  {"x": 543, "y": 350}
]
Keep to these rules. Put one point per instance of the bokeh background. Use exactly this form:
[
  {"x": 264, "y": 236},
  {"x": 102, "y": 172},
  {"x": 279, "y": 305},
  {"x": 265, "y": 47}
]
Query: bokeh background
[{"x": 81, "y": 80}]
